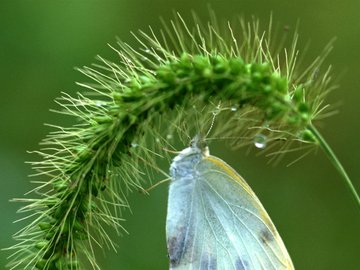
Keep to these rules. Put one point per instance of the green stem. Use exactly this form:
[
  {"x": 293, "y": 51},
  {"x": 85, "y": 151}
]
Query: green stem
[{"x": 331, "y": 155}]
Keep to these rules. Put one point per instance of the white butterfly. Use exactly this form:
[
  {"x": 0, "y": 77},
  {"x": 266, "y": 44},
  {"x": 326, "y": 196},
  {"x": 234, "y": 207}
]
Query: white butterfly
[{"x": 214, "y": 219}]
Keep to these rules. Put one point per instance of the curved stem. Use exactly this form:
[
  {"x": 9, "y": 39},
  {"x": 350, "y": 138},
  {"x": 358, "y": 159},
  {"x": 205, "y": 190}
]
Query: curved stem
[{"x": 334, "y": 160}]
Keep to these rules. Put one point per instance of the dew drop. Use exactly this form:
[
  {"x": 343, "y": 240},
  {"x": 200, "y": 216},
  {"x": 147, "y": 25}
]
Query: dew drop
[
  {"x": 266, "y": 125},
  {"x": 233, "y": 108},
  {"x": 134, "y": 145},
  {"x": 260, "y": 141},
  {"x": 169, "y": 136},
  {"x": 315, "y": 75},
  {"x": 216, "y": 111},
  {"x": 99, "y": 103},
  {"x": 147, "y": 51},
  {"x": 157, "y": 140}
]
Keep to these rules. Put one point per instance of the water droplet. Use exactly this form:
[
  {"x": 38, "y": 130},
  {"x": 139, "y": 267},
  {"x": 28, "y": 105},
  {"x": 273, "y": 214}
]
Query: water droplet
[
  {"x": 266, "y": 124},
  {"x": 157, "y": 140},
  {"x": 316, "y": 74},
  {"x": 169, "y": 136},
  {"x": 134, "y": 145},
  {"x": 100, "y": 103},
  {"x": 216, "y": 111},
  {"x": 260, "y": 141},
  {"x": 233, "y": 108},
  {"x": 147, "y": 50}
]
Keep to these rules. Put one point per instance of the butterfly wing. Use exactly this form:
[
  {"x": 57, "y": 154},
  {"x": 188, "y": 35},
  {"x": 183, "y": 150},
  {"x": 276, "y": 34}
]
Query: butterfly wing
[{"x": 219, "y": 223}]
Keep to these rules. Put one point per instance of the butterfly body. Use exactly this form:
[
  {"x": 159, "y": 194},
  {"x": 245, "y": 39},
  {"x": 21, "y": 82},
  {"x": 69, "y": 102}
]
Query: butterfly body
[{"x": 215, "y": 220}]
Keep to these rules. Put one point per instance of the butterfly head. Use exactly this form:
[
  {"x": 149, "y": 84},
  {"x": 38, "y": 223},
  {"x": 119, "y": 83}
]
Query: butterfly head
[{"x": 184, "y": 162}]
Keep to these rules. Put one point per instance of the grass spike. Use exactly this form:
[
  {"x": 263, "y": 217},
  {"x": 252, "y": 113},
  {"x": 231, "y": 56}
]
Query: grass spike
[{"x": 234, "y": 78}]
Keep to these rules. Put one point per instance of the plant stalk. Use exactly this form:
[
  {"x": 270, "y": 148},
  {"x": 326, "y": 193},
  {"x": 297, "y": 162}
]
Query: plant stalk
[{"x": 334, "y": 160}]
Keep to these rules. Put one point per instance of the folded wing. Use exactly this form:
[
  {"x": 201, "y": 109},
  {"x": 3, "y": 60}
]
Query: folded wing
[{"x": 222, "y": 225}]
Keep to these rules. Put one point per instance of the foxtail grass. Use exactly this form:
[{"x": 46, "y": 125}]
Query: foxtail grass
[{"x": 236, "y": 78}]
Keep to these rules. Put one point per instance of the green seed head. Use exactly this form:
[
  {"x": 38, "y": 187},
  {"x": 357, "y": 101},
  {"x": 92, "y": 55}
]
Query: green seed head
[{"x": 187, "y": 80}]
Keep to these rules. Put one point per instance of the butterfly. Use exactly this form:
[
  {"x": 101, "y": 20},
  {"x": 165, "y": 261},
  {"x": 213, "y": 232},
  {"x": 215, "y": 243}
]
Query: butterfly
[{"x": 214, "y": 219}]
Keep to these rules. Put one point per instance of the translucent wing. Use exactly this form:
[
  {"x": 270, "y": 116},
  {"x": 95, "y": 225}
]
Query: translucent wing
[{"x": 215, "y": 221}]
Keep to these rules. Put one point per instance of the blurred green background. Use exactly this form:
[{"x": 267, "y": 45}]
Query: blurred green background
[{"x": 42, "y": 41}]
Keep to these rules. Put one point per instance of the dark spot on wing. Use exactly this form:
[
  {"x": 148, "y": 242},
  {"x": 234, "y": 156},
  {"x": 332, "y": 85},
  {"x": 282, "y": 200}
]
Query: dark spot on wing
[
  {"x": 208, "y": 262},
  {"x": 266, "y": 236},
  {"x": 241, "y": 264},
  {"x": 177, "y": 248}
]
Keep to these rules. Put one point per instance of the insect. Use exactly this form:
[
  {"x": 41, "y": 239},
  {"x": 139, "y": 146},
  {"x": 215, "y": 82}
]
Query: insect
[{"x": 214, "y": 219}]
